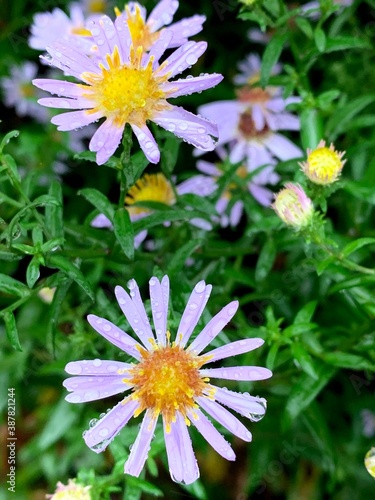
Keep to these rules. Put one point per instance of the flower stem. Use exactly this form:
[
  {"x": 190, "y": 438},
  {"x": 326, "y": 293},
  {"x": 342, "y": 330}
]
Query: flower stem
[{"x": 126, "y": 165}]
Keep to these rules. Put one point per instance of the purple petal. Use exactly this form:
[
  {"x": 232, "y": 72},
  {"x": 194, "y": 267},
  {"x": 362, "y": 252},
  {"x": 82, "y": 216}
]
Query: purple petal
[
  {"x": 135, "y": 317},
  {"x": 106, "y": 140},
  {"x": 96, "y": 367},
  {"x": 236, "y": 213},
  {"x": 237, "y": 373},
  {"x": 214, "y": 327},
  {"x": 182, "y": 463},
  {"x": 211, "y": 435},
  {"x": 61, "y": 88},
  {"x": 69, "y": 59},
  {"x": 105, "y": 36},
  {"x": 208, "y": 168},
  {"x": 159, "y": 294},
  {"x": 190, "y": 85},
  {"x": 64, "y": 103},
  {"x": 192, "y": 128},
  {"x": 251, "y": 407},
  {"x": 182, "y": 30},
  {"x": 238, "y": 152},
  {"x": 258, "y": 155},
  {"x": 285, "y": 121},
  {"x": 101, "y": 221},
  {"x": 233, "y": 349},
  {"x": 94, "y": 388},
  {"x": 263, "y": 195},
  {"x": 182, "y": 58},
  {"x": 141, "y": 447},
  {"x": 75, "y": 119},
  {"x": 258, "y": 116},
  {"x": 115, "y": 335},
  {"x": 283, "y": 148},
  {"x": 136, "y": 298},
  {"x": 225, "y": 418},
  {"x": 147, "y": 142},
  {"x": 106, "y": 429},
  {"x": 162, "y": 14},
  {"x": 198, "y": 184},
  {"x": 193, "y": 310},
  {"x": 160, "y": 46}
]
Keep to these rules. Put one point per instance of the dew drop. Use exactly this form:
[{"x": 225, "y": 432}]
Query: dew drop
[{"x": 97, "y": 362}]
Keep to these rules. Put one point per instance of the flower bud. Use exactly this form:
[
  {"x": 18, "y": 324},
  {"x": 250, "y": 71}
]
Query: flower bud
[
  {"x": 323, "y": 164},
  {"x": 293, "y": 206},
  {"x": 70, "y": 491}
]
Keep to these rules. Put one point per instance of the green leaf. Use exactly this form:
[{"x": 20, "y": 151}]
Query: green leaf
[
  {"x": 305, "y": 314},
  {"x": 343, "y": 115},
  {"x": 304, "y": 359},
  {"x": 311, "y": 128},
  {"x": 323, "y": 264},
  {"x": 178, "y": 260},
  {"x": 32, "y": 272},
  {"x": 142, "y": 485},
  {"x": 11, "y": 330},
  {"x": 347, "y": 360},
  {"x": 140, "y": 162},
  {"x": 266, "y": 259},
  {"x": 59, "y": 262},
  {"x": 320, "y": 39},
  {"x": 124, "y": 232},
  {"x": 325, "y": 98},
  {"x": 9, "y": 162},
  {"x": 345, "y": 43},
  {"x": 305, "y": 390},
  {"x": 112, "y": 162},
  {"x": 37, "y": 235},
  {"x": 99, "y": 201},
  {"x": 169, "y": 155},
  {"x": 12, "y": 286},
  {"x": 166, "y": 216},
  {"x": 271, "y": 56},
  {"x": 54, "y": 213},
  {"x": 353, "y": 246},
  {"x": 198, "y": 202},
  {"x": 63, "y": 285},
  {"x": 52, "y": 245},
  {"x": 61, "y": 419},
  {"x": 363, "y": 192},
  {"x": 304, "y": 26},
  {"x": 299, "y": 329},
  {"x": 271, "y": 356},
  {"x": 7, "y": 138},
  {"x": 351, "y": 283}
]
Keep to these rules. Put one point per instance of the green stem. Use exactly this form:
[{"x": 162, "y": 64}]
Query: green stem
[{"x": 126, "y": 165}]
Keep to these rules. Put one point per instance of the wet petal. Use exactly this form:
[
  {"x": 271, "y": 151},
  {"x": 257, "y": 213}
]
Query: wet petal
[
  {"x": 115, "y": 335},
  {"x": 147, "y": 142},
  {"x": 106, "y": 429},
  {"x": 159, "y": 294},
  {"x": 182, "y": 463},
  {"x": 211, "y": 435},
  {"x": 63, "y": 103},
  {"x": 190, "y": 85},
  {"x": 237, "y": 373},
  {"x": 135, "y": 317},
  {"x": 184, "y": 29},
  {"x": 141, "y": 447},
  {"x": 93, "y": 388},
  {"x": 162, "y": 14},
  {"x": 182, "y": 58},
  {"x": 214, "y": 327},
  {"x": 95, "y": 367},
  {"x": 233, "y": 349},
  {"x": 252, "y": 407},
  {"x": 225, "y": 418},
  {"x": 193, "y": 310},
  {"x": 106, "y": 140},
  {"x": 58, "y": 87},
  {"x": 74, "y": 120}
]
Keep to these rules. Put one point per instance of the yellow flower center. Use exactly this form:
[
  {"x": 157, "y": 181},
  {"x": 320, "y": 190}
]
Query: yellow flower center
[
  {"x": 96, "y": 6},
  {"x": 139, "y": 30},
  {"x": 151, "y": 187},
  {"x": 27, "y": 90},
  {"x": 167, "y": 380},
  {"x": 81, "y": 31},
  {"x": 71, "y": 491},
  {"x": 127, "y": 93},
  {"x": 323, "y": 165}
]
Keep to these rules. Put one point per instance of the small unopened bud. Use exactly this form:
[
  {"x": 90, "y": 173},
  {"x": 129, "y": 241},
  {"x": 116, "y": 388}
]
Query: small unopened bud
[
  {"x": 71, "y": 491},
  {"x": 370, "y": 462},
  {"x": 323, "y": 164},
  {"x": 293, "y": 206}
]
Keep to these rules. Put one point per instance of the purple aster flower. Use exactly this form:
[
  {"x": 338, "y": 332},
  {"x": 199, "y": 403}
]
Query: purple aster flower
[
  {"x": 125, "y": 85},
  {"x": 48, "y": 27},
  {"x": 19, "y": 92},
  {"x": 145, "y": 32},
  {"x": 250, "y": 71},
  {"x": 156, "y": 187},
  {"x": 312, "y": 9},
  {"x": 167, "y": 378}
]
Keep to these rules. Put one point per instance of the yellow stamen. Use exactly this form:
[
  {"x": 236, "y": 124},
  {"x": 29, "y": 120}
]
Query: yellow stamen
[
  {"x": 81, "y": 31},
  {"x": 167, "y": 380},
  {"x": 323, "y": 165},
  {"x": 151, "y": 187},
  {"x": 139, "y": 30},
  {"x": 127, "y": 93}
]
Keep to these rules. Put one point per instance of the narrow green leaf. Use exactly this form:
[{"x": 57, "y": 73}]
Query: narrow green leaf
[
  {"x": 167, "y": 216},
  {"x": 7, "y": 138},
  {"x": 54, "y": 213},
  {"x": 271, "y": 356},
  {"x": 271, "y": 56},
  {"x": 11, "y": 330},
  {"x": 99, "y": 201},
  {"x": 306, "y": 390},
  {"x": 351, "y": 283},
  {"x": 52, "y": 245},
  {"x": 178, "y": 260},
  {"x": 265, "y": 261},
  {"x": 304, "y": 26},
  {"x": 12, "y": 286},
  {"x": 343, "y": 116},
  {"x": 320, "y": 39},
  {"x": 9, "y": 162},
  {"x": 353, "y": 246},
  {"x": 124, "y": 232},
  {"x": 62, "y": 286},
  {"x": 144, "y": 486},
  {"x": 304, "y": 359},
  {"x": 32, "y": 272},
  {"x": 349, "y": 361},
  {"x": 198, "y": 203},
  {"x": 112, "y": 162},
  {"x": 59, "y": 262},
  {"x": 311, "y": 128},
  {"x": 305, "y": 314},
  {"x": 140, "y": 162},
  {"x": 299, "y": 329},
  {"x": 345, "y": 43},
  {"x": 169, "y": 154}
]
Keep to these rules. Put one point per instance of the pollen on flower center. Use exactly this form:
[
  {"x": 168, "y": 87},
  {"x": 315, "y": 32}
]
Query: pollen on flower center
[
  {"x": 167, "y": 380},
  {"x": 151, "y": 187},
  {"x": 247, "y": 127},
  {"x": 324, "y": 162},
  {"x": 128, "y": 93}
]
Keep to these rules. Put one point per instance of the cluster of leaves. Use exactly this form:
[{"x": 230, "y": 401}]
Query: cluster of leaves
[{"x": 313, "y": 305}]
